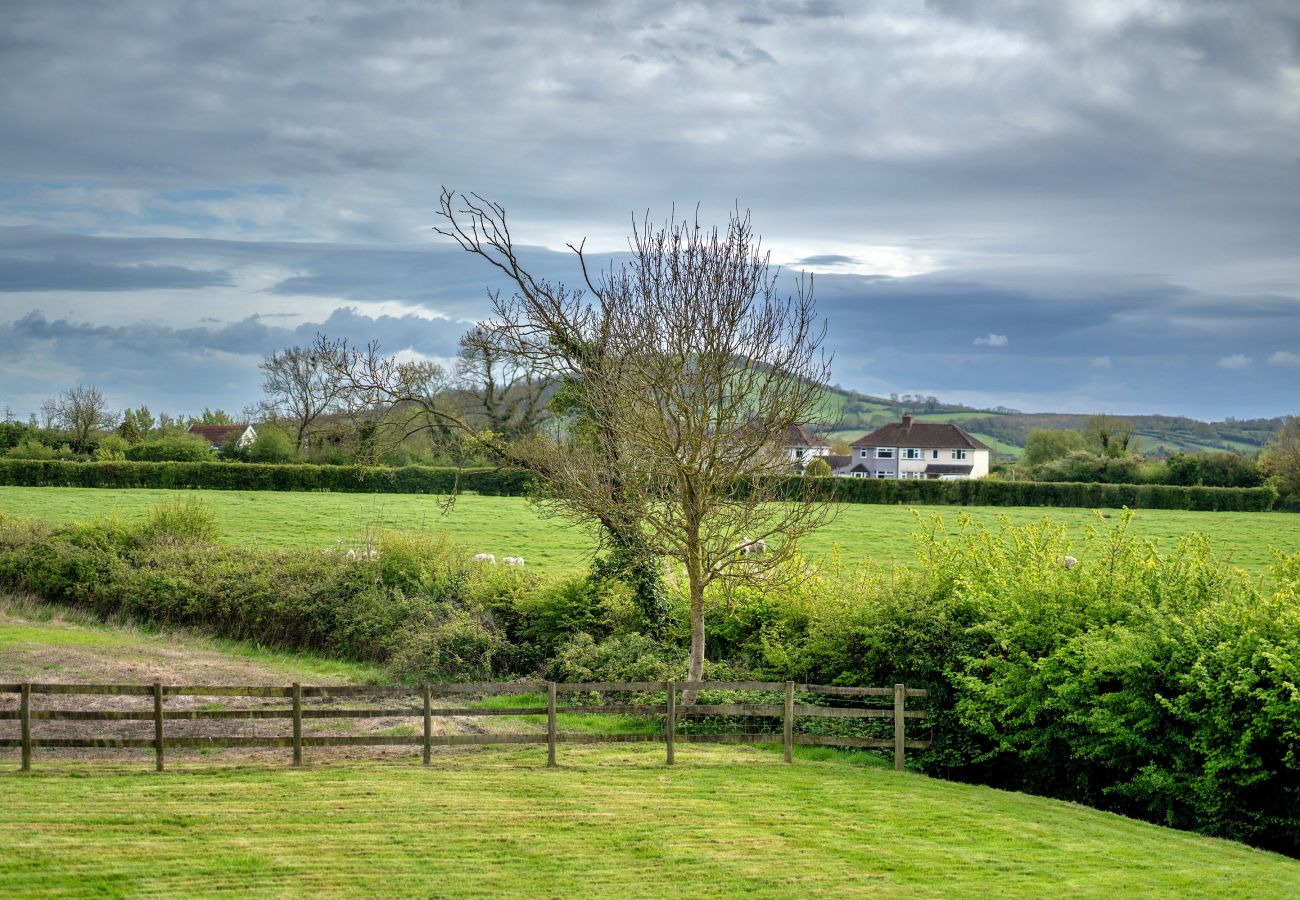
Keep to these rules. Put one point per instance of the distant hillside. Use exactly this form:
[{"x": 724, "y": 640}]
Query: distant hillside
[{"x": 1005, "y": 430}]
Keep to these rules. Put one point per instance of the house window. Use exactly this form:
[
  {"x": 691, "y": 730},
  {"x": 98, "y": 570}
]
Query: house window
[
  {"x": 913, "y": 453},
  {"x": 934, "y": 454},
  {"x": 882, "y": 473},
  {"x": 959, "y": 454},
  {"x": 884, "y": 453},
  {"x": 862, "y": 454}
]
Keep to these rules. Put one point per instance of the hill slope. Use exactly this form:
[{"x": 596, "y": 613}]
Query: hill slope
[{"x": 1005, "y": 430}]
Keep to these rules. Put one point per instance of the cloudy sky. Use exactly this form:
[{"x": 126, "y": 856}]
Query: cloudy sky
[{"x": 1051, "y": 206}]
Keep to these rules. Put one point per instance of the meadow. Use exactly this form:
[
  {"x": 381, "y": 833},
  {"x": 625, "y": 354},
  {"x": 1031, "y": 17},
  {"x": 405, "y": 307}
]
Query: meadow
[{"x": 510, "y": 526}]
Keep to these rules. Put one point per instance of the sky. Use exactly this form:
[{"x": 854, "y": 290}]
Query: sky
[{"x": 1063, "y": 206}]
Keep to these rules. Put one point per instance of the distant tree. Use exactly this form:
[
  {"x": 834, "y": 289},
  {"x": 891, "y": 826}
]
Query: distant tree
[
  {"x": 1048, "y": 444},
  {"x": 211, "y": 417},
  {"x": 1212, "y": 470},
  {"x": 299, "y": 389},
  {"x": 82, "y": 412},
  {"x": 1281, "y": 458},
  {"x": 137, "y": 424},
  {"x": 1110, "y": 436},
  {"x": 506, "y": 393}
]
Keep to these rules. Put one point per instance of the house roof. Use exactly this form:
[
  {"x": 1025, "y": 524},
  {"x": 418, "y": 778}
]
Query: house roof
[
  {"x": 947, "y": 469},
  {"x": 922, "y": 435},
  {"x": 216, "y": 434},
  {"x": 800, "y": 436},
  {"x": 837, "y": 460},
  {"x": 860, "y": 467}
]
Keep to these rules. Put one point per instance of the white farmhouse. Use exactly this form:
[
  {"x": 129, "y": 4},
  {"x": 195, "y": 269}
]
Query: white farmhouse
[{"x": 911, "y": 449}]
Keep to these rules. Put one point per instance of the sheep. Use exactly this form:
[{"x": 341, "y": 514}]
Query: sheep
[
  {"x": 749, "y": 547},
  {"x": 513, "y": 561},
  {"x": 1068, "y": 562},
  {"x": 485, "y": 558}
]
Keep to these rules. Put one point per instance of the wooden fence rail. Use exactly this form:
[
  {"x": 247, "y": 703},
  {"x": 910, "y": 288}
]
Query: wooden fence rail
[{"x": 671, "y": 709}]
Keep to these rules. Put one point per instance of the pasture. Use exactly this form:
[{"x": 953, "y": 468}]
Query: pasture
[{"x": 510, "y": 526}]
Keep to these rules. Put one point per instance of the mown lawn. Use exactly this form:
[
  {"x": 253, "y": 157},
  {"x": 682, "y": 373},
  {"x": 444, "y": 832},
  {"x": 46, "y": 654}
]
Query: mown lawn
[
  {"x": 509, "y": 526},
  {"x": 606, "y": 822}
]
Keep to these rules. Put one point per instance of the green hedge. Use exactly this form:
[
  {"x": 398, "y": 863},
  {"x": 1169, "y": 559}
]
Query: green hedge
[
  {"x": 986, "y": 492},
  {"x": 234, "y": 476}
]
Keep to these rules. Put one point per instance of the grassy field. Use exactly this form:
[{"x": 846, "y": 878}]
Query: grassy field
[
  {"x": 606, "y": 822},
  {"x": 508, "y": 526}
]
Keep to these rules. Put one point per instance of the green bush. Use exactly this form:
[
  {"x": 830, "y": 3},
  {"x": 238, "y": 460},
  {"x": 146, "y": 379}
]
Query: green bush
[
  {"x": 173, "y": 448},
  {"x": 180, "y": 520},
  {"x": 271, "y": 446}
]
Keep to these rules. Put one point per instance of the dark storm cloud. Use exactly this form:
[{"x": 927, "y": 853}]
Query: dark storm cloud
[{"x": 1094, "y": 180}]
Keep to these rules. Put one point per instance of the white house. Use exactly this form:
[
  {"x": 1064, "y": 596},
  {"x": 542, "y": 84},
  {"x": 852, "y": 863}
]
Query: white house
[
  {"x": 802, "y": 446},
  {"x": 911, "y": 449}
]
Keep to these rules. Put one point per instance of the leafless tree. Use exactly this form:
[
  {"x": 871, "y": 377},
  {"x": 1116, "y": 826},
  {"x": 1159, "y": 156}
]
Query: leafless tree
[
  {"x": 299, "y": 389},
  {"x": 682, "y": 373},
  {"x": 82, "y": 411},
  {"x": 506, "y": 393}
]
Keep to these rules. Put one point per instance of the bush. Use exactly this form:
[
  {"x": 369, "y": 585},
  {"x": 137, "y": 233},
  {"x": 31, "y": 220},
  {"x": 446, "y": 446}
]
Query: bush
[
  {"x": 174, "y": 448},
  {"x": 271, "y": 446},
  {"x": 818, "y": 468},
  {"x": 180, "y": 520}
]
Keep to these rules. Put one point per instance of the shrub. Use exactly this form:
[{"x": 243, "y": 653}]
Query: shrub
[
  {"x": 271, "y": 446},
  {"x": 173, "y": 448},
  {"x": 180, "y": 520},
  {"x": 818, "y": 468}
]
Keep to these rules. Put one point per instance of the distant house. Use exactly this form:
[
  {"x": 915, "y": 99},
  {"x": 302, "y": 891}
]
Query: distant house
[
  {"x": 911, "y": 449},
  {"x": 218, "y": 435},
  {"x": 802, "y": 446}
]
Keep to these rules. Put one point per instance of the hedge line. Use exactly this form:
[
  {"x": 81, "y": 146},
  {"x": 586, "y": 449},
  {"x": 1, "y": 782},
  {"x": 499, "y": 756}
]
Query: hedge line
[
  {"x": 234, "y": 476},
  {"x": 434, "y": 480},
  {"x": 985, "y": 492}
]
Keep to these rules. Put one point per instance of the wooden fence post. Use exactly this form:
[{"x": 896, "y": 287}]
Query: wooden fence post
[
  {"x": 550, "y": 723},
  {"x": 157, "y": 726},
  {"x": 670, "y": 721},
  {"x": 900, "y": 693},
  {"x": 297, "y": 724},
  {"x": 789, "y": 721},
  {"x": 428, "y": 722},
  {"x": 25, "y": 714}
]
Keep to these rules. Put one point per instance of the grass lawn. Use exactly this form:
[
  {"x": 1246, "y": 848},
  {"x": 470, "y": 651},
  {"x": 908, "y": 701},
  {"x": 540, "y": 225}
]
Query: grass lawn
[
  {"x": 605, "y": 822},
  {"x": 508, "y": 526}
]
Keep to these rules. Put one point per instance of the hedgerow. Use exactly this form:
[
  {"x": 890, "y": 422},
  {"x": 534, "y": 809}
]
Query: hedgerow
[{"x": 435, "y": 480}]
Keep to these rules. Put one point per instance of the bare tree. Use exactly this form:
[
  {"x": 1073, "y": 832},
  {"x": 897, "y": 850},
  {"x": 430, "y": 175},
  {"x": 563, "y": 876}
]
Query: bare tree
[
  {"x": 82, "y": 411},
  {"x": 299, "y": 388},
  {"x": 507, "y": 393},
  {"x": 682, "y": 374}
]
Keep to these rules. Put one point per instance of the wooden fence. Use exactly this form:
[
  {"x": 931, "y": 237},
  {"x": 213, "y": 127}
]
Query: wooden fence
[{"x": 670, "y": 709}]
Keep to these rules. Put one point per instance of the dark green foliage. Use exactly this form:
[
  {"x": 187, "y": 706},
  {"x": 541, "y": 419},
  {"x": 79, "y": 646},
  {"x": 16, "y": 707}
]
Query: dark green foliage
[
  {"x": 173, "y": 448},
  {"x": 1212, "y": 469},
  {"x": 236, "y": 476}
]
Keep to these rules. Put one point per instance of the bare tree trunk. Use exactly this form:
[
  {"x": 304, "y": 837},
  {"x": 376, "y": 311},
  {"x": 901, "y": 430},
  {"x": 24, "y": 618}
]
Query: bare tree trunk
[{"x": 695, "y": 579}]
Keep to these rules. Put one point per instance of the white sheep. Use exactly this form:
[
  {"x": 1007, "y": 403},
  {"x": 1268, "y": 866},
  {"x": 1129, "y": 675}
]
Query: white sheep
[
  {"x": 485, "y": 558},
  {"x": 1068, "y": 562},
  {"x": 750, "y": 547},
  {"x": 513, "y": 561}
]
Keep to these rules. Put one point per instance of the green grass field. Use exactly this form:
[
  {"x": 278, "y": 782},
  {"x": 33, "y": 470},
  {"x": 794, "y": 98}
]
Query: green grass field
[
  {"x": 606, "y": 822},
  {"x": 509, "y": 526}
]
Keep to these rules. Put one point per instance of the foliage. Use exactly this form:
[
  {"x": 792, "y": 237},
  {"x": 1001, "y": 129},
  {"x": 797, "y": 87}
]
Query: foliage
[
  {"x": 818, "y": 468},
  {"x": 1213, "y": 469},
  {"x": 271, "y": 446},
  {"x": 1281, "y": 461},
  {"x": 171, "y": 448},
  {"x": 180, "y": 519},
  {"x": 1047, "y": 444}
]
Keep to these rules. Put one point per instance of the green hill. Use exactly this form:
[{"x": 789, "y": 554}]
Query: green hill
[{"x": 1005, "y": 430}]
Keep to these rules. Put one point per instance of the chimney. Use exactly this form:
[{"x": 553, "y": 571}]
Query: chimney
[{"x": 907, "y": 421}]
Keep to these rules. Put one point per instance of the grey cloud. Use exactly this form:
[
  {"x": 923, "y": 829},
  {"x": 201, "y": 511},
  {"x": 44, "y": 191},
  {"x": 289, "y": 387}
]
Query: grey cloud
[
  {"x": 74, "y": 275},
  {"x": 827, "y": 259}
]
